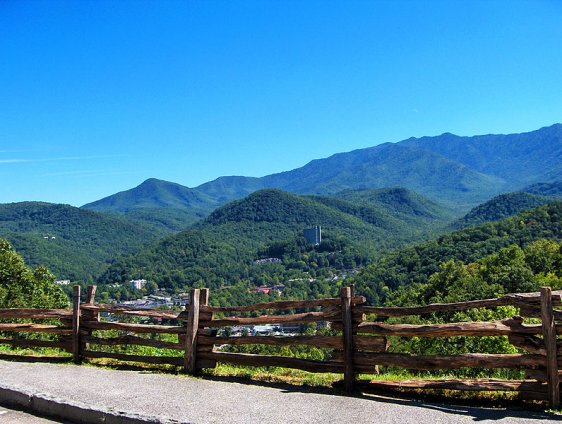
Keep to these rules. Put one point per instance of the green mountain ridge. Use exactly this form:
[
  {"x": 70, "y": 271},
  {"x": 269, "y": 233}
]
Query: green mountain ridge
[
  {"x": 509, "y": 204},
  {"x": 519, "y": 159},
  {"x": 169, "y": 206},
  {"x": 397, "y": 201},
  {"x": 502, "y": 206},
  {"x": 74, "y": 243},
  {"x": 553, "y": 189},
  {"x": 389, "y": 165},
  {"x": 458, "y": 172}
]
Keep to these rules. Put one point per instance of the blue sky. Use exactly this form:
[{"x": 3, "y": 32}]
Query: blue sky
[{"x": 97, "y": 96}]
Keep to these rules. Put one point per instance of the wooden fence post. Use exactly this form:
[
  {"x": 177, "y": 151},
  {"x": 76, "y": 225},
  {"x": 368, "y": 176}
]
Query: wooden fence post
[
  {"x": 76, "y": 324},
  {"x": 549, "y": 337},
  {"x": 90, "y": 315},
  {"x": 204, "y": 297},
  {"x": 347, "y": 319},
  {"x": 91, "y": 295},
  {"x": 205, "y": 316},
  {"x": 191, "y": 332}
]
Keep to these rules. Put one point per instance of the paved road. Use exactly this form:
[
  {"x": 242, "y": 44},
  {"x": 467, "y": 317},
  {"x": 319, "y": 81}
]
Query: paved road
[{"x": 170, "y": 398}]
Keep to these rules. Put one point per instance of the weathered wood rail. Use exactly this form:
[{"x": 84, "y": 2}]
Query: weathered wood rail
[{"x": 191, "y": 338}]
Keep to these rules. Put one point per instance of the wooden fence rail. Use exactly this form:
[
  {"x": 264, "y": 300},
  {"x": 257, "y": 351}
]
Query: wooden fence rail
[{"x": 191, "y": 338}]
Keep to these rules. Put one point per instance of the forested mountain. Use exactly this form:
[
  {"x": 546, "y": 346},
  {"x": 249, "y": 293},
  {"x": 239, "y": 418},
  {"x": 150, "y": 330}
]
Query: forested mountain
[
  {"x": 553, "y": 189},
  {"x": 222, "y": 250},
  {"x": 73, "y": 243},
  {"x": 78, "y": 244},
  {"x": 347, "y": 194},
  {"x": 460, "y": 172},
  {"x": 518, "y": 159},
  {"x": 386, "y": 165},
  {"x": 414, "y": 264},
  {"x": 398, "y": 202},
  {"x": 456, "y": 170},
  {"x": 225, "y": 189},
  {"x": 167, "y": 205},
  {"x": 502, "y": 206}
]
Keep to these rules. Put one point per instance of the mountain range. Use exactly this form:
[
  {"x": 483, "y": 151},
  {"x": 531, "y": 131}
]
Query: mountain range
[
  {"x": 177, "y": 235},
  {"x": 457, "y": 172}
]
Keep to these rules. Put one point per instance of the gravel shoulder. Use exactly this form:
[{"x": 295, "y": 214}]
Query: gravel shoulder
[{"x": 140, "y": 396}]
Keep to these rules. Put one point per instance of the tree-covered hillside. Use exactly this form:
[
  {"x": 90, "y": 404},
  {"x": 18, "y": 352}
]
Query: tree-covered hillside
[
  {"x": 400, "y": 203},
  {"x": 223, "y": 249},
  {"x": 511, "y": 269},
  {"x": 73, "y": 243},
  {"x": 502, "y": 206},
  {"x": 518, "y": 159},
  {"x": 553, "y": 189},
  {"x": 415, "y": 263},
  {"x": 169, "y": 206}
]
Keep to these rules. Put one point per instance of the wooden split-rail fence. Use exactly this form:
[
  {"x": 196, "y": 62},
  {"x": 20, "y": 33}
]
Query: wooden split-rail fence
[{"x": 359, "y": 347}]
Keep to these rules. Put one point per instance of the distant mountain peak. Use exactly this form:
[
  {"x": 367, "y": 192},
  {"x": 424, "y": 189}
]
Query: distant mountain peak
[
  {"x": 168, "y": 205},
  {"x": 153, "y": 180}
]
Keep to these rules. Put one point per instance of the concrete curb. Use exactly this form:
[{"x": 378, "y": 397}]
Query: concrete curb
[{"x": 74, "y": 412}]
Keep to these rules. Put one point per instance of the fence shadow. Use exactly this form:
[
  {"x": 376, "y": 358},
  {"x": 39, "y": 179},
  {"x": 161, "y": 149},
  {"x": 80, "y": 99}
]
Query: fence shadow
[
  {"x": 490, "y": 410},
  {"x": 485, "y": 410},
  {"x": 35, "y": 358}
]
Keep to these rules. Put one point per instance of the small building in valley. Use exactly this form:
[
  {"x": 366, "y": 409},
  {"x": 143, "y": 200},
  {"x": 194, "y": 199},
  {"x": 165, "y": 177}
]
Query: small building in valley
[{"x": 137, "y": 284}]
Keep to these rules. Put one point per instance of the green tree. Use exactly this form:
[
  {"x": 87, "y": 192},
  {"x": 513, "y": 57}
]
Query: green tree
[
  {"x": 508, "y": 269},
  {"x": 22, "y": 287},
  {"x": 544, "y": 256}
]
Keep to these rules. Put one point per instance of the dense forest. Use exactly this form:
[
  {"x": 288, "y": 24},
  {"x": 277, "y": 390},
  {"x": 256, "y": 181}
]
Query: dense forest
[
  {"x": 502, "y": 206},
  {"x": 74, "y": 244},
  {"x": 223, "y": 251},
  {"x": 416, "y": 263}
]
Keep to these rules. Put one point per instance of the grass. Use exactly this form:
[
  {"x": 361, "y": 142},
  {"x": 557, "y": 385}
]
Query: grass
[
  {"x": 275, "y": 375},
  {"x": 27, "y": 351}
]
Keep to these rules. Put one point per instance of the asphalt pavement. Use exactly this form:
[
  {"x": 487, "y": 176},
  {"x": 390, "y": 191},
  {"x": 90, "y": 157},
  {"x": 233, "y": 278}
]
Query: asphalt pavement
[{"x": 91, "y": 394}]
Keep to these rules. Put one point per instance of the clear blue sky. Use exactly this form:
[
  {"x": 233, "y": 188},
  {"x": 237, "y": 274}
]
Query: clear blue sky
[{"x": 97, "y": 96}]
